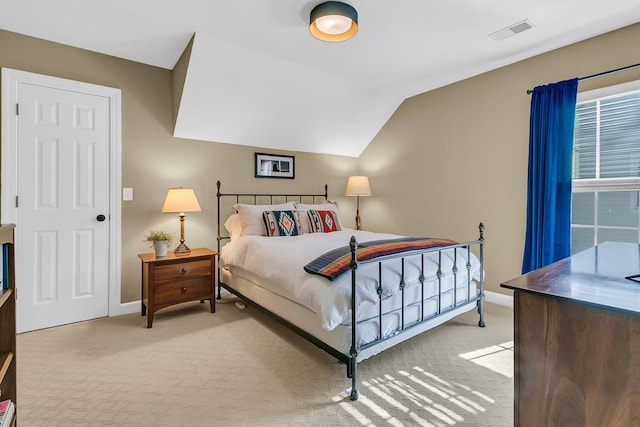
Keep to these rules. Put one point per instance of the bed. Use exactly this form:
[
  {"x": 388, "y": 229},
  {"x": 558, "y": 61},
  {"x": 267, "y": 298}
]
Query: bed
[{"x": 352, "y": 293}]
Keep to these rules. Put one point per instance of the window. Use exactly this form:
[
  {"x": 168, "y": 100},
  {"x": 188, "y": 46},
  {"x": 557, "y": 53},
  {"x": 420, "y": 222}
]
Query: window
[{"x": 606, "y": 167}]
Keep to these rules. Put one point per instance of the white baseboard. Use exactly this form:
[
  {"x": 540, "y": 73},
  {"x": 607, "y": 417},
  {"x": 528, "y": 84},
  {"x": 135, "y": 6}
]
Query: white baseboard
[
  {"x": 130, "y": 307},
  {"x": 497, "y": 298}
]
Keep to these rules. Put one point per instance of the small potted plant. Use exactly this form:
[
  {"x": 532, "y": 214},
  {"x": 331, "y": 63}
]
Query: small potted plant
[{"x": 160, "y": 241}]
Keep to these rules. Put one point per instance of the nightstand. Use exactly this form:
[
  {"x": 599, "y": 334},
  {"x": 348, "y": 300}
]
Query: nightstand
[{"x": 175, "y": 279}]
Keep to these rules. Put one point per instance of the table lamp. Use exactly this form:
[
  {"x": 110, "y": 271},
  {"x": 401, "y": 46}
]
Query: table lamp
[
  {"x": 358, "y": 186},
  {"x": 181, "y": 200}
]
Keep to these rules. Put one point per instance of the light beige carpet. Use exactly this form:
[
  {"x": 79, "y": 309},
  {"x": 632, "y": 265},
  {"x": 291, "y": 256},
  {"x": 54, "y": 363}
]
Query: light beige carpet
[{"x": 240, "y": 368}]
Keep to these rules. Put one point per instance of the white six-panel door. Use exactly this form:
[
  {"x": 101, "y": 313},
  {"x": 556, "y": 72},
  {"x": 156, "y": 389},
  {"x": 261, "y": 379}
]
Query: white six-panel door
[
  {"x": 63, "y": 188},
  {"x": 62, "y": 180}
]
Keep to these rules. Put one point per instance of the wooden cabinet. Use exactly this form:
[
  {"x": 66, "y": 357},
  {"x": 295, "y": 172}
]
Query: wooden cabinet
[
  {"x": 175, "y": 279},
  {"x": 577, "y": 340},
  {"x": 8, "y": 319}
]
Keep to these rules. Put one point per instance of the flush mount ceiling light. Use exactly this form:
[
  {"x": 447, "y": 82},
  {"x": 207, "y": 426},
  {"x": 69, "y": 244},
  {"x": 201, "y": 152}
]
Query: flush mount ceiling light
[{"x": 333, "y": 21}]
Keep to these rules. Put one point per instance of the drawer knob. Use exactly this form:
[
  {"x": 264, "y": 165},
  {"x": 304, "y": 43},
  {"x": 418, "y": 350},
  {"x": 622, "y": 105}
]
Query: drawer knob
[
  {"x": 184, "y": 270},
  {"x": 184, "y": 290}
]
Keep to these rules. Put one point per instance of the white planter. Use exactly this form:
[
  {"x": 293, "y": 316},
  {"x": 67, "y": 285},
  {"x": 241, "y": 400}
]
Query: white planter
[{"x": 161, "y": 248}]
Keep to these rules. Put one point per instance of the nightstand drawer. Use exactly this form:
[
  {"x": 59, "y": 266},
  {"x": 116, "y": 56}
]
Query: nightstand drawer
[
  {"x": 182, "y": 271},
  {"x": 186, "y": 290}
]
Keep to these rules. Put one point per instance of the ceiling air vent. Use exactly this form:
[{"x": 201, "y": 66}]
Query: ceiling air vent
[{"x": 512, "y": 30}]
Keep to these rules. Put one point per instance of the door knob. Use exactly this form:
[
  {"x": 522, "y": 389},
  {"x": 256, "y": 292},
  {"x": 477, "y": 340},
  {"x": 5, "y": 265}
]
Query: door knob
[{"x": 101, "y": 218}]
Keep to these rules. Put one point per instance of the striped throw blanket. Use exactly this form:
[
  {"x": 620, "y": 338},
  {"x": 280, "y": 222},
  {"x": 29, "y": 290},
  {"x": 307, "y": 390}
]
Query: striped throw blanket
[{"x": 333, "y": 263}]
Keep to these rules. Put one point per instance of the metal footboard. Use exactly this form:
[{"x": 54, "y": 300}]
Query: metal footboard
[{"x": 478, "y": 299}]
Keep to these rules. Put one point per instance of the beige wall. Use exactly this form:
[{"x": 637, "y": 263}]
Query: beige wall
[
  {"x": 445, "y": 161},
  {"x": 455, "y": 156},
  {"x": 153, "y": 160}
]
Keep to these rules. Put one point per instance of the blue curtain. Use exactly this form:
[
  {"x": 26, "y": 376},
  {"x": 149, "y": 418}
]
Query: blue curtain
[{"x": 553, "y": 112}]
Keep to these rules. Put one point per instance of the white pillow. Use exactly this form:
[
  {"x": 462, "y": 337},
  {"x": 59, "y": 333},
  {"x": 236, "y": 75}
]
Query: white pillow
[
  {"x": 233, "y": 225},
  {"x": 251, "y": 217},
  {"x": 302, "y": 210}
]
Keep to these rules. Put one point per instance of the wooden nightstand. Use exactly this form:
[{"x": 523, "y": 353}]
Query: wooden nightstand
[{"x": 175, "y": 279}]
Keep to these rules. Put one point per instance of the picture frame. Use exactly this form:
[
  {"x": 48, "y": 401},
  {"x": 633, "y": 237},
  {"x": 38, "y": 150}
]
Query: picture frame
[{"x": 274, "y": 166}]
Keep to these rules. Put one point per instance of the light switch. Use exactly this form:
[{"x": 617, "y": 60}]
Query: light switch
[{"x": 127, "y": 194}]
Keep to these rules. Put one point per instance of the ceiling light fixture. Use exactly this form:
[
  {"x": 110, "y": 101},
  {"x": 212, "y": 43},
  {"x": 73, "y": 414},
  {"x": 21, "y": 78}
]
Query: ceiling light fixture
[{"x": 333, "y": 21}]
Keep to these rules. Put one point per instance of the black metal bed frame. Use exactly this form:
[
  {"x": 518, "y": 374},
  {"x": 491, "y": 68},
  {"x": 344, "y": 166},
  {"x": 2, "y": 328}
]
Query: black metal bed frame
[{"x": 351, "y": 360}]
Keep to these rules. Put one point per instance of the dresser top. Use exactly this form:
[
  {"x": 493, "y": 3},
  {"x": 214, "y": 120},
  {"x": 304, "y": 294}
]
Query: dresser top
[{"x": 595, "y": 276}]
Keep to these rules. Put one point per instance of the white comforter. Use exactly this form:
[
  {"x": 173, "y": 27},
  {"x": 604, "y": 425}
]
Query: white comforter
[{"x": 276, "y": 263}]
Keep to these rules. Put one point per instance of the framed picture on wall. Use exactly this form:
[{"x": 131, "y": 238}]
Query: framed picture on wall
[{"x": 274, "y": 166}]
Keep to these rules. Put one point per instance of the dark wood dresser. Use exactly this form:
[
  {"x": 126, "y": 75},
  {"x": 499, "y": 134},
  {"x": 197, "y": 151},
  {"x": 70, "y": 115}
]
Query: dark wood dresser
[{"x": 577, "y": 340}]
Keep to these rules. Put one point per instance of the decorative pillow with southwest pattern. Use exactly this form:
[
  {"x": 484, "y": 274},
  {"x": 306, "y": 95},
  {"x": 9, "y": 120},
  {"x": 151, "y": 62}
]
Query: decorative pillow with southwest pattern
[
  {"x": 281, "y": 223},
  {"x": 323, "y": 221}
]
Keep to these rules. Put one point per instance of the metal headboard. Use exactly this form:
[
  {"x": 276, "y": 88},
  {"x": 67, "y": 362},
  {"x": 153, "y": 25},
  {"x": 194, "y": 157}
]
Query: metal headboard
[{"x": 255, "y": 196}]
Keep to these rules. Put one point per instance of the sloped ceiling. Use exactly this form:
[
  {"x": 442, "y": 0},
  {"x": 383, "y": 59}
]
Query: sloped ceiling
[{"x": 257, "y": 77}]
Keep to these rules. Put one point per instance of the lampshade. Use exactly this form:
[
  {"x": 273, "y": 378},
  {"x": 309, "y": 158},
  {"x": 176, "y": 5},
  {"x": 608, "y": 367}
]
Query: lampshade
[
  {"x": 180, "y": 200},
  {"x": 333, "y": 21},
  {"x": 358, "y": 186}
]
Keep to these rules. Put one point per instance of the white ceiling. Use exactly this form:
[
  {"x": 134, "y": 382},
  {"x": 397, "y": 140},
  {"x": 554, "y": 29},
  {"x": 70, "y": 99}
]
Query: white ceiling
[{"x": 257, "y": 77}]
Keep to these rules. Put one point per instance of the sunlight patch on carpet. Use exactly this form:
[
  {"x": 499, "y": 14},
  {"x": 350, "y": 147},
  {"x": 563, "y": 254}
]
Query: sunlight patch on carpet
[
  {"x": 498, "y": 358},
  {"x": 425, "y": 398}
]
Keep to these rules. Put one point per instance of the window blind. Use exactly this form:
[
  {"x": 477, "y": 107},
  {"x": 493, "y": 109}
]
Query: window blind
[{"x": 607, "y": 138}]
